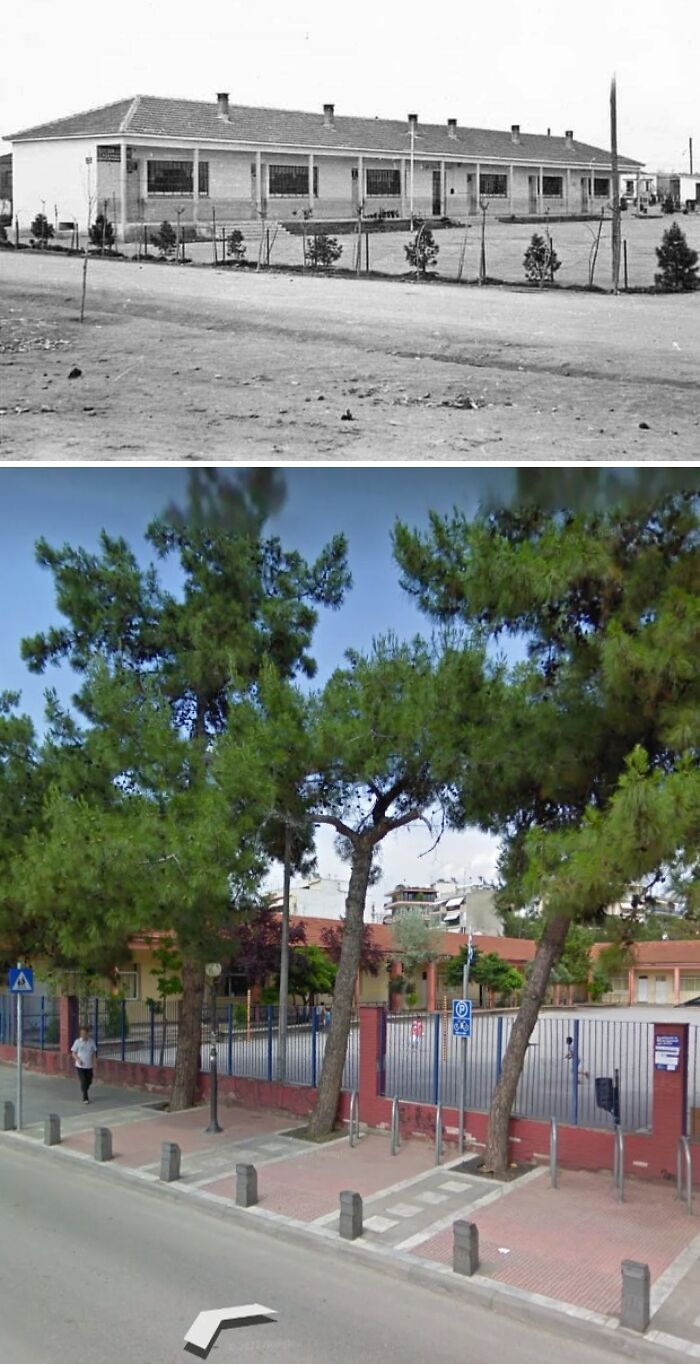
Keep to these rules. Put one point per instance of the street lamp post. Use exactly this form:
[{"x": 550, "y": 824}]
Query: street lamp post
[{"x": 213, "y": 971}]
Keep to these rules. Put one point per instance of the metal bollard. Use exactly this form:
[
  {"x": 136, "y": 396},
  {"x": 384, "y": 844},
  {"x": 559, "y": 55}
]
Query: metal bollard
[
  {"x": 354, "y": 1123},
  {"x": 52, "y": 1130},
  {"x": 103, "y": 1143},
  {"x": 553, "y": 1155},
  {"x": 246, "y": 1186},
  {"x": 465, "y": 1248},
  {"x": 169, "y": 1161},
  {"x": 350, "y": 1226},
  {"x": 8, "y": 1116},
  {"x": 635, "y": 1311},
  {"x": 395, "y": 1129},
  {"x": 438, "y": 1134}
]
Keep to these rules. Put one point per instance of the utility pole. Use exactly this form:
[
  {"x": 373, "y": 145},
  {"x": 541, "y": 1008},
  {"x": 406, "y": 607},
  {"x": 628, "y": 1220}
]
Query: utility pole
[
  {"x": 284, "y": 956},
  {"x": 690, "y": 153},
  {"x": 616, "y": 230}
]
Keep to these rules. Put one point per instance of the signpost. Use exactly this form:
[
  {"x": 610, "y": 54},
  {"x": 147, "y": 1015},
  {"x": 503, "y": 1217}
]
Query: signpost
[
  {"x": 20, "y": 980},
  {"x": 462, "y": 1027}
]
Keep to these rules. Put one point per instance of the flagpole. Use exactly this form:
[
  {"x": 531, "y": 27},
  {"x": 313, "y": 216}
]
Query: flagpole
[
  {"x": 463, "y": 1074},
  {"x": 18, "y": 1116}
]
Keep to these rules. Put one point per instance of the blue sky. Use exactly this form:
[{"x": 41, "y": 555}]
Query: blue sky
[{"x": 72, "y": 505}]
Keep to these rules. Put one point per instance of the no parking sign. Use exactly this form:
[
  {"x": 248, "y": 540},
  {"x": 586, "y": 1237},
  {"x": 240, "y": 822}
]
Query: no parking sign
[{"x": 461, "y": 1018}]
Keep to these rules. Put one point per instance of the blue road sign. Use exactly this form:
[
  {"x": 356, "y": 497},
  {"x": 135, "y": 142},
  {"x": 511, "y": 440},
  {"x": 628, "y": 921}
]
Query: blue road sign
[
  {"x": 21, "y": 980},
  {"x": 461, "y": 1018}
]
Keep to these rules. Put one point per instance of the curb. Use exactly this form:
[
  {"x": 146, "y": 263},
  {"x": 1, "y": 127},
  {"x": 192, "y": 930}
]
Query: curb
[{"x": 556, "y": 1317}]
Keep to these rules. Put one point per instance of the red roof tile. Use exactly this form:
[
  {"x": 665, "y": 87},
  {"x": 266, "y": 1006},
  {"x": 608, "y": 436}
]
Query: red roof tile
[{"x": 184, "y": 120}]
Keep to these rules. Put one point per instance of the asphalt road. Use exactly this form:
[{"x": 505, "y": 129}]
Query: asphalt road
[{"x": 96, "y": 1272}]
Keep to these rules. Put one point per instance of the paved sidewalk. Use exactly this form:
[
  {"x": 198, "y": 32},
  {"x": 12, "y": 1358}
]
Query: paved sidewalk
[{"x": 553, "y": 1247}]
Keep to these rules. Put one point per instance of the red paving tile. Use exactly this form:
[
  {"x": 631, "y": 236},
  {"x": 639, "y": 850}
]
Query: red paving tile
[
  {"x": 569, "y": 1243},
  {"x": 139, "y": 1143},
  {"x": 308, "y": 1186}
]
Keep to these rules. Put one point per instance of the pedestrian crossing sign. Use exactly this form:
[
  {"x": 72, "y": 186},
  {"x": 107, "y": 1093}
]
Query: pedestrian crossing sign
[{"x": 21, "y": 980}]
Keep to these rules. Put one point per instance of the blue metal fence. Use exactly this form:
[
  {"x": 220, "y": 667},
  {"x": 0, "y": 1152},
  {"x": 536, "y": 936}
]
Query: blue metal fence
[
  {"x": 563, "y": 1059},
  {"x": 40, "y": 1025},
  {"x": 145, "y": 1032}
]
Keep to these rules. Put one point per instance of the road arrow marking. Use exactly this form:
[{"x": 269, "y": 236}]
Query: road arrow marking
[{"x": 204, "y": 1331}]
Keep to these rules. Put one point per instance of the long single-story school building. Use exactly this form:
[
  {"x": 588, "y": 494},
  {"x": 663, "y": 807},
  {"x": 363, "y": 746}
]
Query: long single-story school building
[{"x": 146, "y": 159}]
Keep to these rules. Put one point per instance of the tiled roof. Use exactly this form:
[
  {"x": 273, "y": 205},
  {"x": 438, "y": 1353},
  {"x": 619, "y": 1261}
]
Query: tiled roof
[
  {"x": 679, "y": 952},
  {"x": 179, "y": 119}
]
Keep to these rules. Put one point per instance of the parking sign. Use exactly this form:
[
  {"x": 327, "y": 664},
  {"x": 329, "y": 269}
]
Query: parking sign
[{"x": 461, "y": 1018}]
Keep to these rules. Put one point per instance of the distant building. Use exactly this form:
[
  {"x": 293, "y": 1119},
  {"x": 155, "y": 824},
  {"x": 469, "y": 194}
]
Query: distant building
[
  {"x": 6, "y": 185},
  {"x": 141, "y": 159},
  {"x": 456, "y": 908},
  {"x": 682, "y": 186},
  {"x": 405, "y": 900}
]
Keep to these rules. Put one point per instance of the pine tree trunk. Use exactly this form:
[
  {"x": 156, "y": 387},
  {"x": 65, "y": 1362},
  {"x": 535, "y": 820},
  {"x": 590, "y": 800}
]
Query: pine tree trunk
[
  {"x": 189, "y": 1037},
  {"x": 323, "y": 1116},
  {"x": 549, "y": 950}
]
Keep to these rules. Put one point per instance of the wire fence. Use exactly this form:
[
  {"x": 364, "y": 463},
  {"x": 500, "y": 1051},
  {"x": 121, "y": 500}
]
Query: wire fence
[
  {"x": 245, "y": 1047},
  {"x": 40, "y": 1025},
  {"x": 424, "y": 1063}
]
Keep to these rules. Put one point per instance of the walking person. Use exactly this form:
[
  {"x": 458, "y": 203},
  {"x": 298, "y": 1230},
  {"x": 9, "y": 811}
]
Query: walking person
[
  {"x": 84, "y": 1052},
  {"x": 582, "y": 1074}
]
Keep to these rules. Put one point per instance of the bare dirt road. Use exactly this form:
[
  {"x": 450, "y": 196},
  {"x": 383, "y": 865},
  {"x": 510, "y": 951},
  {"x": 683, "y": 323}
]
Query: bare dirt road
[{"x": 181, "y": 362}]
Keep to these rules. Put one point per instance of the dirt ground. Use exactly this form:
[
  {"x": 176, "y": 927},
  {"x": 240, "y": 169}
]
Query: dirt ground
[{"x": 186, "y": 363}]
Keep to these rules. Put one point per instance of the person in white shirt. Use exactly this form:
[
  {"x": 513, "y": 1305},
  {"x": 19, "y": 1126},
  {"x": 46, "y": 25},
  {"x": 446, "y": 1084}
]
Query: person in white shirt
[{"x": 84, "y": 1052}]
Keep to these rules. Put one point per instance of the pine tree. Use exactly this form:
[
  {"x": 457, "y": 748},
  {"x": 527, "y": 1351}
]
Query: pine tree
[
  {"x": 540, "y": 260},
  {"x": 678, "y": 262},
  {"x": 102, "y": 233},
  {"x": 41, "y": 229},
  {"x": 422, "y": 251},
  {"x": 322, "y": 251},
  {"x": 165, "y": 240},
  {"x": 235, "y": 246}
]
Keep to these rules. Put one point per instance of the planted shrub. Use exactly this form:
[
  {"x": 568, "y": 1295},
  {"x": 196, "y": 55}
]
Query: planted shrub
[
  {"x": 235, "y": 245},
  {"x": 540, "y": 260},
  {"x": 165, "y": 240},
  {"x": 668, "y": 205},
  {"x": 102, "y": 233},
  {"x": 322, "y": 251},
  {"x": 422, "y": 251},
  {"x": 41, "y": 229},
  {"x": 3, "y": 235},
  {"x": 678, "y": 262}
]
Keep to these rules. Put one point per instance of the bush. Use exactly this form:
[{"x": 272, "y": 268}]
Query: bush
[
  {"x": 422, "y": 251},
  {"x": 102, "y": 232},
  {"x": 540, "y": 260},
  {"x": 41, "y": 229},
  {"x": 678, "y": 262},
  {"x": 668, "y": 205},
  {"x": 165, "y": 240},
  {"x": 52, "y": 1032},
  {"x": 113, "y": 1018},
  {"x": 322, "y": 252},
  {"x": 240, "y": 1014},
  {"x": 235, "y": 246}
]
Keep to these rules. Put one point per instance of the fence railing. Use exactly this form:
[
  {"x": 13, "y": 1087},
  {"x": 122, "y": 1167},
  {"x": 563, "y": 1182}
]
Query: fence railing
[
  {"x": 563, "y": 1058},
  {"x": 147, "y": 1033},
  {"x": 40, "y": 1023}
]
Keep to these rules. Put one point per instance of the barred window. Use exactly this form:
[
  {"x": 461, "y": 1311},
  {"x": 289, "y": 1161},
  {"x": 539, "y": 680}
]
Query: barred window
[
  {"x": 383, "y": 183},
  {"x": 203, "y": 179},
  {"x": 291, "y": 182},
  {"x": 601, "y": 188},
  {"x": 170, "y": 177},
  {"x": 493, "y": 186},
  {"x": 552, "y": 186},
  {"x": 128, "y": 983}
]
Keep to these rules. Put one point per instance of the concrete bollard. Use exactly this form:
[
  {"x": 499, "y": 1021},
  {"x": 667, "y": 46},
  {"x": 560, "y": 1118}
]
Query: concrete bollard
[
  {"x": 169, "y": 1161},
  {"x": 52, "y": 1130},
  {"x": 465, "y": 1248},
  {"x": 635, "y": 1312},
  {"x": 8, "y": 1116},
  {"x": 350, "y": 1215},
  {"x": 246, "y": 1186},
  {"x": 103, "y": 1143}
]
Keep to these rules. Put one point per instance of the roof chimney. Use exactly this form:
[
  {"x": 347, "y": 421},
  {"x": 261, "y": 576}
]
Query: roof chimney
[
  {"x": 515, "y": 132},
  {"x": 222, "y": 101},
  {"x": 569, "y": 137},
  {"x": 329, "y": 116},
  {"x": 452, "y": 127},
  {"x": 413, "y": 121}
]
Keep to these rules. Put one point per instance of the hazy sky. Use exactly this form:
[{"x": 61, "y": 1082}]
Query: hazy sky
[
  {"x": 71, "y": 505},
  {"x": 542, "y": 64}
]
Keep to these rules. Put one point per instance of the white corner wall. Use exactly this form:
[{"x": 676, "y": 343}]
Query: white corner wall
[{"x": 55, "y": 174}]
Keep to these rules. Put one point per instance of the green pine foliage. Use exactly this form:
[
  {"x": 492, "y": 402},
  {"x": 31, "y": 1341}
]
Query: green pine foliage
[
  {"x": 235, "y": 246},
  {"x": 422, "y": 251},
  {"x": 540, "y": 260},
  {"x": 41, "y": 229},
  {"x": 678, "y": 262},
  {"x": 102, "y": 233},
  {"x": 322, "y": 251}
]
